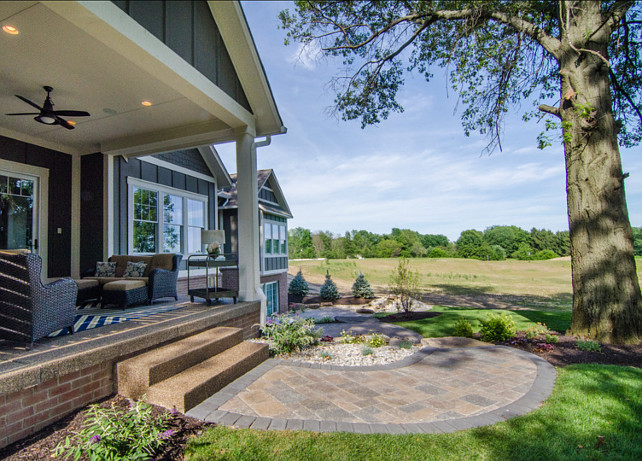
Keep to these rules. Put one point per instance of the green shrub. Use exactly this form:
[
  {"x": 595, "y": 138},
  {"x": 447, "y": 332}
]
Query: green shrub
[
  {"x": 289, "y": 333},
  {"x": 298, "y": 286},
  {"x": 588, "y": 345},
  {"x": 552, "y": 339},
  {"x": 117, "y": 434},
  {"x": 405, "y": 344},
  {"x": 463, "y": 328},
  {"x": 534, "y": 331},
  {"x": 325, "y": 355},
  {"x": 347, "y": 338},
  {"x": 329, "y": 290},
  {"x": 361, "y": 288},
  {"x": 405, "y": 284},
  {"x": 367, "y": 351},
  {"x": 439, "y": 253},
  {"x": 545, "y": 254},
  {"x": 376, "y": 340},
  {"x": 497, "y": 327}
]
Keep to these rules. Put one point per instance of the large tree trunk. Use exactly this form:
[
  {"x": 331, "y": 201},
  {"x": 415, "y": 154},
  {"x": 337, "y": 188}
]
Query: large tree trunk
[{"x": 607, "y": 304}]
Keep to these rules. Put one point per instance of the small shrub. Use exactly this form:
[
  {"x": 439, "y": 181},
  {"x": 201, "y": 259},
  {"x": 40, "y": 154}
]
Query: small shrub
[
  {"x": 361, "y": 288},
  {"x": 117, "y": 434},
  {"x": 588, "y": 345},
  {"x": 325, "y": 355},
  {"x": 289, "y": 333},
  {"x": 405, "y": 344},
  {"x": 298, "y": 286},
  {"x": 367, "y": 351},
  {"x": 329, "y": 290},
  {"x": 545, "y": 254},
  {"x": 552, "y": 339},
  {"x": 534, "y": 331},
  {"x": 347, "y": 338},
  {"x": 497, "y": 327},
  {"x": 463, "y": 328},
  {"x": 439, "y": 253},
  {"x": 326, "y": 319},
  {"x": 376, "y": 340}
]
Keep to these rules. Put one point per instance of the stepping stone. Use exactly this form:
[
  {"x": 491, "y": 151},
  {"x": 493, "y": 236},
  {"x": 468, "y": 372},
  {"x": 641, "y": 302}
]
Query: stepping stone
[{"x": 453, "y": 341}]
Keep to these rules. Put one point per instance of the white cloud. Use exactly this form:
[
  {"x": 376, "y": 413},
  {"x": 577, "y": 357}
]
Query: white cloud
[{"x": 307, "y": 55}]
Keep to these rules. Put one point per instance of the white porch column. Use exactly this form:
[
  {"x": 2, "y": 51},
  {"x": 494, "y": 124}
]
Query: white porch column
[
  {"x": 75, "y": 216},
  {"x": 248, "y": 221}
]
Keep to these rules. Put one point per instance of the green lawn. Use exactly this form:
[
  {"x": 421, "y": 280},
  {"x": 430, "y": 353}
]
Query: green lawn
[
  {"x": 443, "y": 325},
  {"x": 588, "y": 401}
]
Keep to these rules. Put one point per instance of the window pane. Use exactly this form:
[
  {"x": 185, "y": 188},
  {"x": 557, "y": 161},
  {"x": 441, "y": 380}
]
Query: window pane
[
  {"x": 194, "y": 240},
  {"x": 3, "y": 184},
  {"x": 195, "y": 213},
  {"x": 172, "y": 209},
  {"x": 275, "y": 246},
  {"x": 172, "y": 238},
  {"x": 145, "y": 202},
  {"x": 144, "y": 237},
  {"x": 14, "y": 186},
  {"x": 268, "y": 246}
]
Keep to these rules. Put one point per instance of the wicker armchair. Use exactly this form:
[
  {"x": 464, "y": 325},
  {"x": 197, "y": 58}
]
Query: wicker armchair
[
  {"x": 162, "y": 283},
  {"x": 30, "y": 310}
]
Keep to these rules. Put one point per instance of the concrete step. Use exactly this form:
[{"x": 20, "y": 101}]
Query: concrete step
[
  {"x": 138, "y": 373},
  {"x": 189, "y": 388}
]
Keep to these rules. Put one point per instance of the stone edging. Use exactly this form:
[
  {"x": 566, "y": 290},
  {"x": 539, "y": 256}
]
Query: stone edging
[{"x": 541, "y": 389}]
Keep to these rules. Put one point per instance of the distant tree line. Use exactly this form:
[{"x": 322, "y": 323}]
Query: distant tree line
[{"x": 495, "y": 243}]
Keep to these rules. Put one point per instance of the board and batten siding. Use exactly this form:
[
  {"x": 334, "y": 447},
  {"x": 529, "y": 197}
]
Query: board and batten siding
[
  {"x": 188, "y": 28},
  {"x": 58, "y": 198},
  {"x": 139, "y": 169}
]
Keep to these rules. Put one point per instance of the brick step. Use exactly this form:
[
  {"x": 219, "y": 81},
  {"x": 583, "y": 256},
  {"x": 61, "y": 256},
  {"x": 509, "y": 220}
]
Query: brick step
[
  {"x": 192, "y": 386},
  {"x": 137, "y": 374}
]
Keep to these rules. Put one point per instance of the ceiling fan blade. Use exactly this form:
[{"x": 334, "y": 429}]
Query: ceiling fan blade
[
  {"x": 72, "y": 113},
  {"x": 26, "y": 113},
  {"x": 29, "y": 102},
  {"x": 64, "y": 123}
]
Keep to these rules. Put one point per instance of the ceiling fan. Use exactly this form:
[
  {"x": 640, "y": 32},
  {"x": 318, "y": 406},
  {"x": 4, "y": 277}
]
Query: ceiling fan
[{"x": 48, "y": 115}]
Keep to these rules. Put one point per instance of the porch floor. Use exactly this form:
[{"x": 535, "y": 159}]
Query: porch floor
[{"x": 51, "y": 357}]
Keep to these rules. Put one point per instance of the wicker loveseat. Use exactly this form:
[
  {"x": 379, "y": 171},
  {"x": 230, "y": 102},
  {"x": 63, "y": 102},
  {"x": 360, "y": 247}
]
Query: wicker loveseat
[
  {"x": 158, "y": 280},
  {"x": 30, "y": 310}
]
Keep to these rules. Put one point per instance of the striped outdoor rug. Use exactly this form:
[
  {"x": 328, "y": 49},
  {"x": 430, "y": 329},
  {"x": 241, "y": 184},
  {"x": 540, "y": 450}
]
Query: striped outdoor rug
[{"x": 89, "y": 316}]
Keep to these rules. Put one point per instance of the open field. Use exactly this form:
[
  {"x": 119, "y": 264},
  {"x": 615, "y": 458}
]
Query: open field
[{"x": 452, "y": 276}]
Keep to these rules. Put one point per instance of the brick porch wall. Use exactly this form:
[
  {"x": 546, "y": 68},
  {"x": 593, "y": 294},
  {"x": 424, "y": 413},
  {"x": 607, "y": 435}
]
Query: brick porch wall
[
  {"x": 230, "y": 279},
  {"x": 26, "y": 411}
]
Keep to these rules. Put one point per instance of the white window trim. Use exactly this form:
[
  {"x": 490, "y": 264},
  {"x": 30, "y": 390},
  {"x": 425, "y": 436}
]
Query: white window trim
[{"x": 148, "y": 185}]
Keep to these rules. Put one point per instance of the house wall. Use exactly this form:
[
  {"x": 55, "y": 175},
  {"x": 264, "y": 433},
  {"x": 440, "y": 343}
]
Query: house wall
[
  {"x": 139, "y": 169},
  {"x": 59, "y": 198},
  {"x": 91, "y": 210},
  {"x": 187, "y": 158},
  {"x": 188, "y": 28}
]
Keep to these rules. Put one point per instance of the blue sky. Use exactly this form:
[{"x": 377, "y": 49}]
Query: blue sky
[{"x": 416, "y": 170}]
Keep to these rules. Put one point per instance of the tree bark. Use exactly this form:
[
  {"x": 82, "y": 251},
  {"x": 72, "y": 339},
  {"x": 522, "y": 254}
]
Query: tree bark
[{"x": 607, "y": 304}]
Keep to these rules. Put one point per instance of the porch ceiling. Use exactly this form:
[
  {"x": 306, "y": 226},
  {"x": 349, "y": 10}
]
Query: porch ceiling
[{"x": 100, "y": 60}]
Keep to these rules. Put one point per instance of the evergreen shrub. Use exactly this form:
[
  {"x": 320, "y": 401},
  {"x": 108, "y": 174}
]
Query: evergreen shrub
[
  {"x": 361, "y": 288},
  {"x": 497, "y": 327},
  {"x": 463, "y": 328},
  {"x": 329, "y": 290},
  {"x": 298, "y": 286}
]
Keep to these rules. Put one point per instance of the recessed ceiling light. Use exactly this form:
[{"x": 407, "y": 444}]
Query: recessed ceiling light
[
  {"x": 71, "y": 122},
  {"x": 10, "y": 29},
  {"x": 146, "y": 103}
]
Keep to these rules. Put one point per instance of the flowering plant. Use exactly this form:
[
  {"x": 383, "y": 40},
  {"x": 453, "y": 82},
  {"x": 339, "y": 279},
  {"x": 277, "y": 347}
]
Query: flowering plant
[{"x": 214, "y": 248}]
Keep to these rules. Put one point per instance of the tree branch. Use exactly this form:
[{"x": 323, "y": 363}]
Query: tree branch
[
  {"x": 550, "y": 110},
  {"x": 616, "y": 84},
  {"x": 548, "y": 42}
]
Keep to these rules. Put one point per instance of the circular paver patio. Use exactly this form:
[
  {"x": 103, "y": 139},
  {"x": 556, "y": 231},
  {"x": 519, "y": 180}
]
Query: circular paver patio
[{"x": 435, "y": 390}]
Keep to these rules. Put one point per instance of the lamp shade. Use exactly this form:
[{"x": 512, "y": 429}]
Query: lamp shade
[{"x": 211, "y": 236}]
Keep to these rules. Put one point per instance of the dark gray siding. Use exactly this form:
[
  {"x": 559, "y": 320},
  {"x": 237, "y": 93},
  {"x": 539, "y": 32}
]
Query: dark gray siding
[
  {"x": 146, "y": 171},
  {"x": 188, "y": 158},
  {"x": 59, "y": 166},
  {"x": 267, "y": 195},
  {"x": 189, "y": 29},
  {"x": 91, "y": 210}
]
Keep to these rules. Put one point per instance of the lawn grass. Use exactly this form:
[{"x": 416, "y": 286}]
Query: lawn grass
[
  {"x": 443, "y": 325},
  {"x": 588, "y": 401}
]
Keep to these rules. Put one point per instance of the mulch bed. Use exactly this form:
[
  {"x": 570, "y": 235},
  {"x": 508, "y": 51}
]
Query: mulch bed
[
  {"x": 344, "y": 300},
  {"x": 40, "y": 446}
]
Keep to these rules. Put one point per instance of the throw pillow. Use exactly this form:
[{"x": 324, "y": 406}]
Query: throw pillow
[
  {"x": 104, "y": 269},
  {"x": 134, "y": 269}
]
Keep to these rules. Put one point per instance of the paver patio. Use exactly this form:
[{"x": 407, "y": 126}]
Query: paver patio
[{"x": 435, "y": 390}]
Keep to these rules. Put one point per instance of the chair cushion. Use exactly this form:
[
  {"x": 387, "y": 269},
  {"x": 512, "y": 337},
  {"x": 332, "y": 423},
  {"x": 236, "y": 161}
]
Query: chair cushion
[
  {"x": 162, "y": 261},
  {"x": 124, "y": 285},
  {"x": 104, "y": 280},
  {"x": 105, "y": 269},
  {"x": 121, "y": 262},
  {"x": 134, "y": 269},
  {"x": 86, "y": 283}
]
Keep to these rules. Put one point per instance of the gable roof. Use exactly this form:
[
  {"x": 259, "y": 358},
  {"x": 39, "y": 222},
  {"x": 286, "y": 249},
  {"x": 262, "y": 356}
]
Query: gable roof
[{"x": 265, "y": 178}]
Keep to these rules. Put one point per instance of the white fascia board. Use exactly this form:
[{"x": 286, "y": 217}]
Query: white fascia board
[
  {"x": 116, "y": 29},
  {"x": 42, "y": 143},
  {"x": 215, "y": 164},
  {"x": 179, "y": 169},
  {"x": 280, "y": 196},
  {"x": 238, "y": 40}
]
